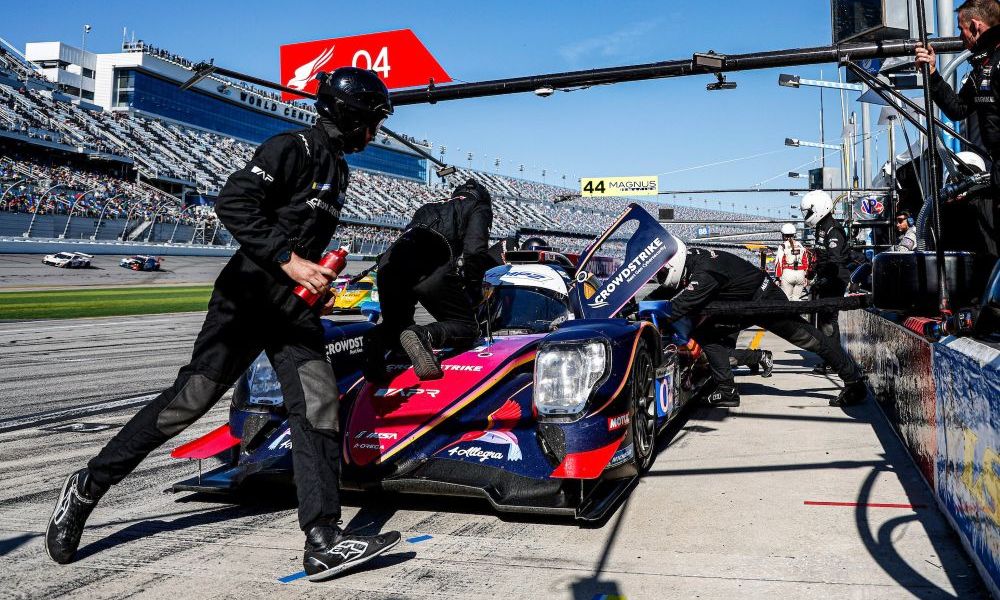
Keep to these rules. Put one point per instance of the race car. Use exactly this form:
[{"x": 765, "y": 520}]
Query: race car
[
  {"x": 68, "y": 260},
  {"x": 556, "y": 410},
  {"x": 353, "y": 295},
  {"x": 141, "y": 262}
]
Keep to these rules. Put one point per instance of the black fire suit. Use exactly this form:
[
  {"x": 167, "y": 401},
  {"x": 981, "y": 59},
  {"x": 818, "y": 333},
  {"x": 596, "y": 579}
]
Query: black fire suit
[
  {"x": 717, "y": 275},
  {"x": 287, "y": 198},
  {"x": 439, "y": 261},
  {"x": 832, "y": 272}
]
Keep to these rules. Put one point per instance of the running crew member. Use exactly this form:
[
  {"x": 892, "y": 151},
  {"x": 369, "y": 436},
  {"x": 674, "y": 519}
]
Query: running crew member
[
  {"x": 282, "y": 207},
  {"x": 791, "y": 263},
  {"x": 697, "y": 276},
  {"x": 439, "y": 261},
  {"x": 832, "y": 272}
]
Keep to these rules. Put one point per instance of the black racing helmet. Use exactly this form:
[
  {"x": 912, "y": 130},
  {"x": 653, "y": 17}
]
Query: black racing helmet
[
  {"x": 535, "y": 243},
  {"x": 356, "y": 101},
  {"x": 474, "y": 188}
]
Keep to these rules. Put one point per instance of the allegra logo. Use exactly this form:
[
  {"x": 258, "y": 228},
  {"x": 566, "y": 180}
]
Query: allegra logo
[
  {"x": 307, "y": 72},
  {"x": 476, "y": 452}
]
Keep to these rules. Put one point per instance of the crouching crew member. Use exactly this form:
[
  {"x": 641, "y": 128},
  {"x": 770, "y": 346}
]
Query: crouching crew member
[
  {"x": 439, "y": 261},
  {"x": 697, "y": 276},
  {"x": 283, "y": 207}
]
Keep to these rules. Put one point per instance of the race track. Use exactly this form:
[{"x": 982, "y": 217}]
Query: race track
[
  {"x": 722, "y": 513},
  {"x": 26, "y": 271}
]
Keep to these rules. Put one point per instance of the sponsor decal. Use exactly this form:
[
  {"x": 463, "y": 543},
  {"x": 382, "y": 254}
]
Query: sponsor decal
[
  {"x": 305, "y": 144},
  {"x": 871, "y": 207},
  {"x": 470, "y": 368},
  {"x": 618, "y": 422},
  {"x": 378, "y": 435},
  {"x": 526, "y": 275},
  {"x": 623, "y": 455},
  {"x": 476, "y": 452},
  {"x": 629, "y": 272},
  {"x": 325, "y": 206},
  {"x": 349, "y": 549},
  {"x": 268, "y": 178},
  {"x": 352, "y": 346},
  {"x": 832, "y": 244},
  {"x": 405, "y": 392},
  {"x": 322, "y": 186},
  {"x": 500, "y": 424},
  {"x": 619, "y": 186},
  {"x": 664, "y": 396},
  {"x": 283, "y": 441}
]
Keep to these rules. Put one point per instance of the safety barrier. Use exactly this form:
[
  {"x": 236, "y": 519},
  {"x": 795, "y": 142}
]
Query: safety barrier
[{"x": 943, "y": 399}]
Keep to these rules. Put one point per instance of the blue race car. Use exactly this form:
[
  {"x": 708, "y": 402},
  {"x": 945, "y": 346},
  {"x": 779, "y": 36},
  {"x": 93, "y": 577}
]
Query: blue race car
[
  {"x": 555, "y": 411},
  {"x": 141, "y": 262}
]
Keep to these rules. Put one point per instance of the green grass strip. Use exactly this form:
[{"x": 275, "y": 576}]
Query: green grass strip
[{"x": 103, "y": 302}]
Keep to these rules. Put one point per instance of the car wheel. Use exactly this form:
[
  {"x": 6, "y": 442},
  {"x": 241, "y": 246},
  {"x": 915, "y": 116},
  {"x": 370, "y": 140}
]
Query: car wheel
[{"x": 642, "y": 411}]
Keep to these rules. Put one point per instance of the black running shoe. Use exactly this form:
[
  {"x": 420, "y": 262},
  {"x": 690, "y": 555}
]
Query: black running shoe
[
  {"x": 766, "y": 363},
  {"x": 853, "y": 393},
  {"x": 417, "y": 345},
  {"x": 822, "y": 369},
  {"x": 724, "y": 395},
  {"x": 74, "y": 505},
  {"x": 329, "y": 551}
]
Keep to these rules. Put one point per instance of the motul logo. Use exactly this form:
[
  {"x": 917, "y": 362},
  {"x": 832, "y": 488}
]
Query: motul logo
[{"x": 617, "y": 422}]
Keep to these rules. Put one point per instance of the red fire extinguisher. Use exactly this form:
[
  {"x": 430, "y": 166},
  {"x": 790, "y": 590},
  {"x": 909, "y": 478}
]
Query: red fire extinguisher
[{"x": 335, "y": 261}]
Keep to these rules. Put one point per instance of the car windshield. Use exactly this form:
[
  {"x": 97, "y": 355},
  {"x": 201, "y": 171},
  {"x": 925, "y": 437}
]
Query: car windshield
[
  {"x": 64, "y": 255},
  {"x": 521, "y": 308},
  {"x": 360, "y": 286}
]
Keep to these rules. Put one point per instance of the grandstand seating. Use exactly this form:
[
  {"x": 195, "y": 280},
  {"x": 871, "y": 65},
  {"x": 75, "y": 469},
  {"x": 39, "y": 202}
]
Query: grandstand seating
[{"x": 377, "y": 204}]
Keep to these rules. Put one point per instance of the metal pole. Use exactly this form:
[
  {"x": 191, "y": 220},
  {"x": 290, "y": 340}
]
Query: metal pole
[
  {"x": 822, "y": 126},
  {"x": 932, "y": 167},
  {"x": 100, "y": 218},
  {"x": 38, "y": 206},
  {"x": 866, "y": 145},
  {"x": 892, "y": 177},
  {"x": 7, "y": 191}
]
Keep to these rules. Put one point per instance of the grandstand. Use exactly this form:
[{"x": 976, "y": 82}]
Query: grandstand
[{"x": 76, "y": 170}]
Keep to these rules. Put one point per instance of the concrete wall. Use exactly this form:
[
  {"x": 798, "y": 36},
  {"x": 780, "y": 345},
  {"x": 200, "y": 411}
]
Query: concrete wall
[{"x": 943, "y": 399}]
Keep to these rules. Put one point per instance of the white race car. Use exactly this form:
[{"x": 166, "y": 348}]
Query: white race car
[{"x": 69, "y": 260}]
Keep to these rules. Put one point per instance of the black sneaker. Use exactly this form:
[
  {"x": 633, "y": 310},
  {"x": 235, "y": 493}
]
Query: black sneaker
[
  {"x": 74, "y": 505},
  {"x": 329, "y": 551},
  {"x": 822, "y": 369},
  {"x": 766, "y": 363},
  {"x": 853, "y": 393},
  {"x": 417, "y": 345},
  {"x": 724, "y": 395}
]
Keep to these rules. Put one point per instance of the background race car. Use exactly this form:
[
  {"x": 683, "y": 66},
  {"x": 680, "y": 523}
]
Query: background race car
[
  {"x": 555, "y": 411},
  {"x": 68, "y": 260},
  {"x": 142, "y": 262},
  {"x": 351, "y": 297}
]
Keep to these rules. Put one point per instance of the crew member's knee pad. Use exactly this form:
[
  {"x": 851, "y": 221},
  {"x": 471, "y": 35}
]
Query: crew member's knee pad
[
  {"x": 319, "y": 394},
  {"x": 195, "y": 396}
]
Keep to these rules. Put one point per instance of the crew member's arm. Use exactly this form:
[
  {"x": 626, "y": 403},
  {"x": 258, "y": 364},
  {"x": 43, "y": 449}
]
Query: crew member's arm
[
  {"x": 956, "y": 106},
  {"x": 245, "y": 204},
  {"x": 475, "y": 246},
  {"x": 700, "y": 290},
  {"x": 779, "y": 261}
]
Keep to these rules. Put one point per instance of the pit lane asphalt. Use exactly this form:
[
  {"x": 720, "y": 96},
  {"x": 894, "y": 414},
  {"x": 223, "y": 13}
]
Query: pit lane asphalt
[{"x": 720, "y": 515}]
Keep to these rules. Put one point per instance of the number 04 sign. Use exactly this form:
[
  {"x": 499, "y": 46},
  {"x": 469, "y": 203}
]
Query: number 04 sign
[
  {"x": 619, "y": 186},
  {"x": 397, "y": 56}
]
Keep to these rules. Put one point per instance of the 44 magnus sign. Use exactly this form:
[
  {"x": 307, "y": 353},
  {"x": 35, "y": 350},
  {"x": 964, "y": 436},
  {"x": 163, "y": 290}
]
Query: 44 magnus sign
[
  {"x": 591, "y": 187},
  {"x": 398, "y": 57}
]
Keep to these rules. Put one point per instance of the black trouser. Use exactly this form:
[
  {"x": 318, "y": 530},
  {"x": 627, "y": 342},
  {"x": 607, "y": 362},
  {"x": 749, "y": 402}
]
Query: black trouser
[
  {"x": 417, "y": 268},
  {"x": 250, "y": 311},
  {"x": 744, "y": 357},
  {"x": 718, "y": 339},
  {"x": 829, "y": 322}
]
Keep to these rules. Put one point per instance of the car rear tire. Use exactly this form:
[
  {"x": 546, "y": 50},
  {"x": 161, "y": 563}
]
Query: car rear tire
[{"x": 642, "y": 409}]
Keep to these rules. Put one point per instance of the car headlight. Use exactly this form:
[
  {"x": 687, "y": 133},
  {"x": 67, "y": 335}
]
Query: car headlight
[
  {"x": 264, "y": 388},
  {"x": 566, "y": 374},
  {"x": 374, "y": 296}
]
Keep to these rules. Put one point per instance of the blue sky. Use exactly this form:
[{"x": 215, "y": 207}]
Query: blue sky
[{"x": 654, "y": 127}]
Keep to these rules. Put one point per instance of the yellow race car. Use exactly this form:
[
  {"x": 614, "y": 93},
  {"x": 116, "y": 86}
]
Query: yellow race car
[{"x": 350, "y": 299}]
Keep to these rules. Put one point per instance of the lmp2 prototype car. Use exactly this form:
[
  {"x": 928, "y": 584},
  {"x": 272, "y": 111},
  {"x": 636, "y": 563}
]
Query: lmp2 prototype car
[
  {"x": 141, "y": 262},
  {"x": 356, "y": 295},
  {"x": 555, "y": 411},
  {"x": 68, "y": 260}
]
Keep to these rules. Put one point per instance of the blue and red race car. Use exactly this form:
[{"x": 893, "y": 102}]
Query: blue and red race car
[{"x": 556, "y": 410}]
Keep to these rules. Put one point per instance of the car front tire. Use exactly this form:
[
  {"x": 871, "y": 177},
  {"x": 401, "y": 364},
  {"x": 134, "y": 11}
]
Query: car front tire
[{"x": 642, "y": 409}]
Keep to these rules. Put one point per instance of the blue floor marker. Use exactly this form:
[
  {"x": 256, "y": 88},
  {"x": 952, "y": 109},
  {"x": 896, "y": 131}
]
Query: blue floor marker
[
  {"x": 419, "y": 538},
  {"x": 292, "y": 577}
]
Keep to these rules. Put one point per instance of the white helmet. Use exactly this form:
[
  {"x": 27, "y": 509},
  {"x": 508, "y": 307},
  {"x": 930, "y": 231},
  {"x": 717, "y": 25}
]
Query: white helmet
[
  {"x": 975, "y": 162},
  {"x": 816, "y": 205},
  {"x": 675, "y": 266},
  {"x": 788, "y": 229}
]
